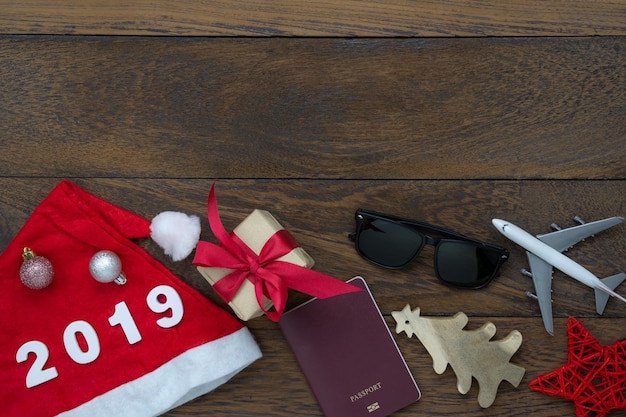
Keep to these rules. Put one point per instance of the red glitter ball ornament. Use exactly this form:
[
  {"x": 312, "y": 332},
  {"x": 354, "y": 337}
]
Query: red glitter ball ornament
[
  {"x": 594, "y": 377},
  {"x": 36, "y": 272}
]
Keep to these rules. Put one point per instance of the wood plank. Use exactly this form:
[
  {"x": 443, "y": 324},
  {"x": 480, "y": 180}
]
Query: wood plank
[
  {"x": 274, "y": 386},
  {"x": 522, "y": 119},
  {"x": 320, "y": 215},
  {"x": 393, "y": 18},
  {"x": 313, "y": 108}
]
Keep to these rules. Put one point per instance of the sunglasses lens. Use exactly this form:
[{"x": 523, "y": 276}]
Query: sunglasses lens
[
  {"x": 386, "y": 243},
  {"x": 464, "y": 264}
]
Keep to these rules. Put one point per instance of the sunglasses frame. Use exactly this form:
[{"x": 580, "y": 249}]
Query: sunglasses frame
[{"x": 361, "y": 215}]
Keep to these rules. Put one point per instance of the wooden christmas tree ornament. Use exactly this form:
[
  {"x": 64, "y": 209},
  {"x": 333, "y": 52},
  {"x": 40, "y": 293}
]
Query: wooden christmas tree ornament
[{"x": 470, "y": 353}]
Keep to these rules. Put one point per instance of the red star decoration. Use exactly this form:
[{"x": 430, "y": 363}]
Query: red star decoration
[{"x": 594, "y": 377}]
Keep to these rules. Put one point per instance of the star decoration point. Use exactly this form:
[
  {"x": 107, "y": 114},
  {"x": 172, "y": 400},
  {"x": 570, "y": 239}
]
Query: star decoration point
[{"x": 594, "y": 376}]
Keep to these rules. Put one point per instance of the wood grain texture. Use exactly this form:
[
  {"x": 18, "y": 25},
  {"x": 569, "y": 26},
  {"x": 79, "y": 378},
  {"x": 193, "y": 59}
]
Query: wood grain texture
[
  {"x": 439, "y": 394},
  {"x": 451, "y": 112},
  {"x": 313, "y": 108},
  {"x": 320, "y": 215},
  {"x": 344, "y": 18}
]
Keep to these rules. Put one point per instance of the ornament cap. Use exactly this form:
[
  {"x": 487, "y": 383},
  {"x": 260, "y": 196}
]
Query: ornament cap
[
  {"x": 121, "y": 279},
  {"x": 28, "y": 254}
]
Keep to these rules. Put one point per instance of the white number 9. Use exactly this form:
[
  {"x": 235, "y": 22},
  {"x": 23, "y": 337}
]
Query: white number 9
[{"x": 163, "y": 298}]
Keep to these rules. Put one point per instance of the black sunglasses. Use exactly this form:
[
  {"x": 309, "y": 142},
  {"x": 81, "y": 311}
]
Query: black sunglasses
[{"x": 393, "y": 242}]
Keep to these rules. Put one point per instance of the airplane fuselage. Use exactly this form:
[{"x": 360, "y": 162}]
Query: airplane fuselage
[{"x": 547, "y": 253}]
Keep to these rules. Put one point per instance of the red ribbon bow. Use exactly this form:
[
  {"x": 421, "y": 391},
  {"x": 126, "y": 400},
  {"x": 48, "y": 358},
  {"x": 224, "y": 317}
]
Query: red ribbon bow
[{"x": 271, "y": 278}]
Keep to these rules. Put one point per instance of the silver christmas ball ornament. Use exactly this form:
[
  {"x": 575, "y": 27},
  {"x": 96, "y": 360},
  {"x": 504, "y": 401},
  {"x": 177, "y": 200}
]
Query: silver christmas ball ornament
[
  {"x": 106, "y": 266},
  {"x": 36, "y": 272}
]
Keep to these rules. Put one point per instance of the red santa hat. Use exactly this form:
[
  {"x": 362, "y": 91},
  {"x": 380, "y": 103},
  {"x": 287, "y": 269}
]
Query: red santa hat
[{"x": 81, "y": 347}]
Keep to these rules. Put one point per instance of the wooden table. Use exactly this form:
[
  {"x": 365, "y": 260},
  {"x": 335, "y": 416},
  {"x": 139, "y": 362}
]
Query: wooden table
[{"x": 449, "y": 112}]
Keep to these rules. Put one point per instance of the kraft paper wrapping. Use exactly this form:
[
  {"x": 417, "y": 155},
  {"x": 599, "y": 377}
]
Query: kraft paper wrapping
[{"x": 255, "y": 230}]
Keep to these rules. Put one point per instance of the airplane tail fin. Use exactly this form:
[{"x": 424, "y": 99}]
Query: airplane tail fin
[{"x": 603, "y": 292}]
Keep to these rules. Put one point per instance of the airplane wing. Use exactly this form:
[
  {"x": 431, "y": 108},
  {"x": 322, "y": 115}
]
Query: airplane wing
[
  {"x": 542, "y": 280},
  {"x": 566, "y": 238}
]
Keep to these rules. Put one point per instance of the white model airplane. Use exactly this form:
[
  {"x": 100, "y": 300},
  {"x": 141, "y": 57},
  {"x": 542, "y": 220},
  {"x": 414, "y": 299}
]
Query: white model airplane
[{"x": 544, "y": 253}]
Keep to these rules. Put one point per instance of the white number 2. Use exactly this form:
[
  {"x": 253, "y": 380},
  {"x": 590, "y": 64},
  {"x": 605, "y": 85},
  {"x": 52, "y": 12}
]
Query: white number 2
[{"x": 36, "y": 375}]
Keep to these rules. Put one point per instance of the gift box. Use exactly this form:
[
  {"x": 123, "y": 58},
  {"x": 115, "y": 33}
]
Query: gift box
[
  {"x": 255, "y": 230},
  {"x": 256, "y": 265}
]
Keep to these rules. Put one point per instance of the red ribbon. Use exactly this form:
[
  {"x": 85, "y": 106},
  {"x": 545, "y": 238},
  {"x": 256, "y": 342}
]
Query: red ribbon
[{"x": 271, "y": 278}]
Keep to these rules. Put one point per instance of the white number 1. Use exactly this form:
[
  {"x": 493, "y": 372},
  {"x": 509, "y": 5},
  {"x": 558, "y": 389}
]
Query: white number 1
[{"x": 123, "y": 317}]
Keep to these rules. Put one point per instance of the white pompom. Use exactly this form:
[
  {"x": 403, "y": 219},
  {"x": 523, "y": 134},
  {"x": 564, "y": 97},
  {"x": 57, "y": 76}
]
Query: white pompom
[{"x": 177, "y": 233}]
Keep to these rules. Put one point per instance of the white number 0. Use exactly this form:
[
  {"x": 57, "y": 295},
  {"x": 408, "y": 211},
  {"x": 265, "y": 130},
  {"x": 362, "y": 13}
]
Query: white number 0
[
  {"x": 71, "y": 343},
  {"x": 161, "y": 299}
]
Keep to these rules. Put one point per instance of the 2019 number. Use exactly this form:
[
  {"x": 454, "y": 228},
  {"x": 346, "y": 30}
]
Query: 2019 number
[{"x": 160, "y": 299}]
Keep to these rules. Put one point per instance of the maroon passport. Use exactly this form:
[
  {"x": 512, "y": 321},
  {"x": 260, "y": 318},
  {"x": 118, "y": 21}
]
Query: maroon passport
[{"x": 348, "y": 355}]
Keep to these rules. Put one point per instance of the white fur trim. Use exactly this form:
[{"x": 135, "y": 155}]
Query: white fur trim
[
  {"x": 177, "y": 233},
  {"x": 189, "y": 375}
]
